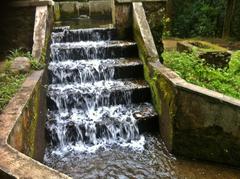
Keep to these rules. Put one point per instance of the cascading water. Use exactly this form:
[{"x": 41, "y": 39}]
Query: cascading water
[
  {"x": 99, "y": 112},
  {"x": 89, "y": 109}
]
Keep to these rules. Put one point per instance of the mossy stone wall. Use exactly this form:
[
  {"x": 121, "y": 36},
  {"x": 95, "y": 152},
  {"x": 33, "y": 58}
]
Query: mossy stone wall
[
  {"x": 195, "y": 122},
  {"x": 28, "y": 134}
]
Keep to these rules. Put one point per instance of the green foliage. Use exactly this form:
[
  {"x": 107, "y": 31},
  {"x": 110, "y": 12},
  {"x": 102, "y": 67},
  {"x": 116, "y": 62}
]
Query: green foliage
[
  {"x": 193, "y": 70},
  {"x": 166, "y": 22},
  {"x": 7, "y": 66},
  {"x": 9, "y": 85},
  {"x": 18, "y": 53},
  {"x": 35, "y": 64},
  {"x": 198, "y": 18},
  {"x": 234, "y": 65},
  {"x": 9, "y": 82}
]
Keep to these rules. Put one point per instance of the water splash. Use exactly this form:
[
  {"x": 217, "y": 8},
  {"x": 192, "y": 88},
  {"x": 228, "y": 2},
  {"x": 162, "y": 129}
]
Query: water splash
[{"x": 88, "y": 109}]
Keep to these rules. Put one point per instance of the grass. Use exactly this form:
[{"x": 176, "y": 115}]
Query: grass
[
  {"x": 9, "y": 82},
  {"x": 193, "y": 70},
  {"x": 35, "y": 64},
  {"x": 9, "y": 86}
]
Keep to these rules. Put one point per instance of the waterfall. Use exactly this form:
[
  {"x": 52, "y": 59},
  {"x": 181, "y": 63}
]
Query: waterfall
[{"x": 89, "y": 107}]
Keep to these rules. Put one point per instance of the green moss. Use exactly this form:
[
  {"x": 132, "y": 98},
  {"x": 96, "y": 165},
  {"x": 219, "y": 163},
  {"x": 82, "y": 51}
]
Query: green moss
[
  {"x": 57, "y": 14},
  {"x": 163, "y": 97},
  {"x": 34, "y": 120},
  {"x": 206, "y": 46}
]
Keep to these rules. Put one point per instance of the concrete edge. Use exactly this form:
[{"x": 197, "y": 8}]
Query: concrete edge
[
  {"x": 132, "y": 1},
  {"x": 146, "y": 33},
  {"x": 12, "y": 161},
  {"x": 175, "y": 79},
  {"x": 32, "y": 3},
  {"x": 40, "y": 28}
]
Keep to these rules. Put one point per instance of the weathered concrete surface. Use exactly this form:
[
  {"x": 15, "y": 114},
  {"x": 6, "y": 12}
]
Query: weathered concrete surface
[
  {"x": 18, "y": 132},
  {"x": 100, "y": 9},
  {"x": 213, "y": 55},
  {"x": 157, "y": 81},
  {"x": 29, "y": 3},
  {"x": 155, "y": 12},
  {"x": 194, "y": 122},
  {"x": 96, "y": 9},
  {"x": 122, "y": 18},
  {"x": 42, "y": 28},
  {"x": 207, "y": 125},
  {"x": 22, "y": 123}
]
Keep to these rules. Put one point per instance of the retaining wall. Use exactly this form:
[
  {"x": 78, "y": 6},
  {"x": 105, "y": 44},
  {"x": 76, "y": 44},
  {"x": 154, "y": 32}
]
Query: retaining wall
[
  {"x": 97, "y": 9},
  {"x": 194, "y": 122},
  {"x": 22, "y": 122}
]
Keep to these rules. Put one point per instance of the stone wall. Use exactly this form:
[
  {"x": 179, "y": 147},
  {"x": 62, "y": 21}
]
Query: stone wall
[
  {"x": 194, "y": 122},
  {"x": 22, "y": 122},
  {"x": 22, "y": 126},
  {"x": 28, "y": 134},
  {"x": 155, "y": 10},
  {"x": 97, "y": 9}
]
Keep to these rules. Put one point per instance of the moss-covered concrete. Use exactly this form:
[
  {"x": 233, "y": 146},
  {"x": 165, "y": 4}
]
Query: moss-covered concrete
[
  {"x": 163, "y": 91},
  {"x": 207, "y": 127},
  {"x": 194, "y": 122},
  {"x": 122, "y": 19},
  {"x": 95, "y": 9},
  {"x": 213, "y": 55},
  {"x": 23, "y": 136},
  {"x": 155, "y": 12},
  {"x": 22, "y": 129}
]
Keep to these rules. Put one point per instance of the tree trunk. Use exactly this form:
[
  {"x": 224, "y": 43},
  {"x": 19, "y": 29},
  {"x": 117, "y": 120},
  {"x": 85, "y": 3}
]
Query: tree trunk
[{"x": 230, "y": 8}]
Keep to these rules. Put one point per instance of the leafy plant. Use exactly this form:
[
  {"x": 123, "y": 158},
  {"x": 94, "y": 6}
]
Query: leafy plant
[
  {"x": 35, "y": 64},
  {"x": 198, "y": 18},
  {"x": 20, "y": 52},
  {"x": 193, "y": 70},
  {"x": 166, "y": 22},
  {"x": 9, "y": 85},
  {"x": 234, "y": 64},
  {"x": 10, "y": 82}
]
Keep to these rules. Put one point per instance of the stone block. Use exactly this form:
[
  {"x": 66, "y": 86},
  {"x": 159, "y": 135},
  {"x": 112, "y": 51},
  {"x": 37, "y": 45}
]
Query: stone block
[
  {"x": 68, "y": 10},
  {"x": 213, "y": 55},
  {"x": 100, "y": 9},
  {"x": 20, "y": 65}
]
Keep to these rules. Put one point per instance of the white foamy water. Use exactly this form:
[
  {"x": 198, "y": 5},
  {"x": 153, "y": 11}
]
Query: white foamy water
[{"x": 88, "y": 109}]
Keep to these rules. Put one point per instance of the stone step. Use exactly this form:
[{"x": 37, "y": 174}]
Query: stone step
[
  {"x": 83, "y": 71},
  {"x": 93, "y": 50},
  {"x": 101, "y": 93},
  {"x": 103, "y": 120},
  {"x": 90, "y": 34},
  {"x": 84, "y": 22},
  {"x": 60, "y": 29}
]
